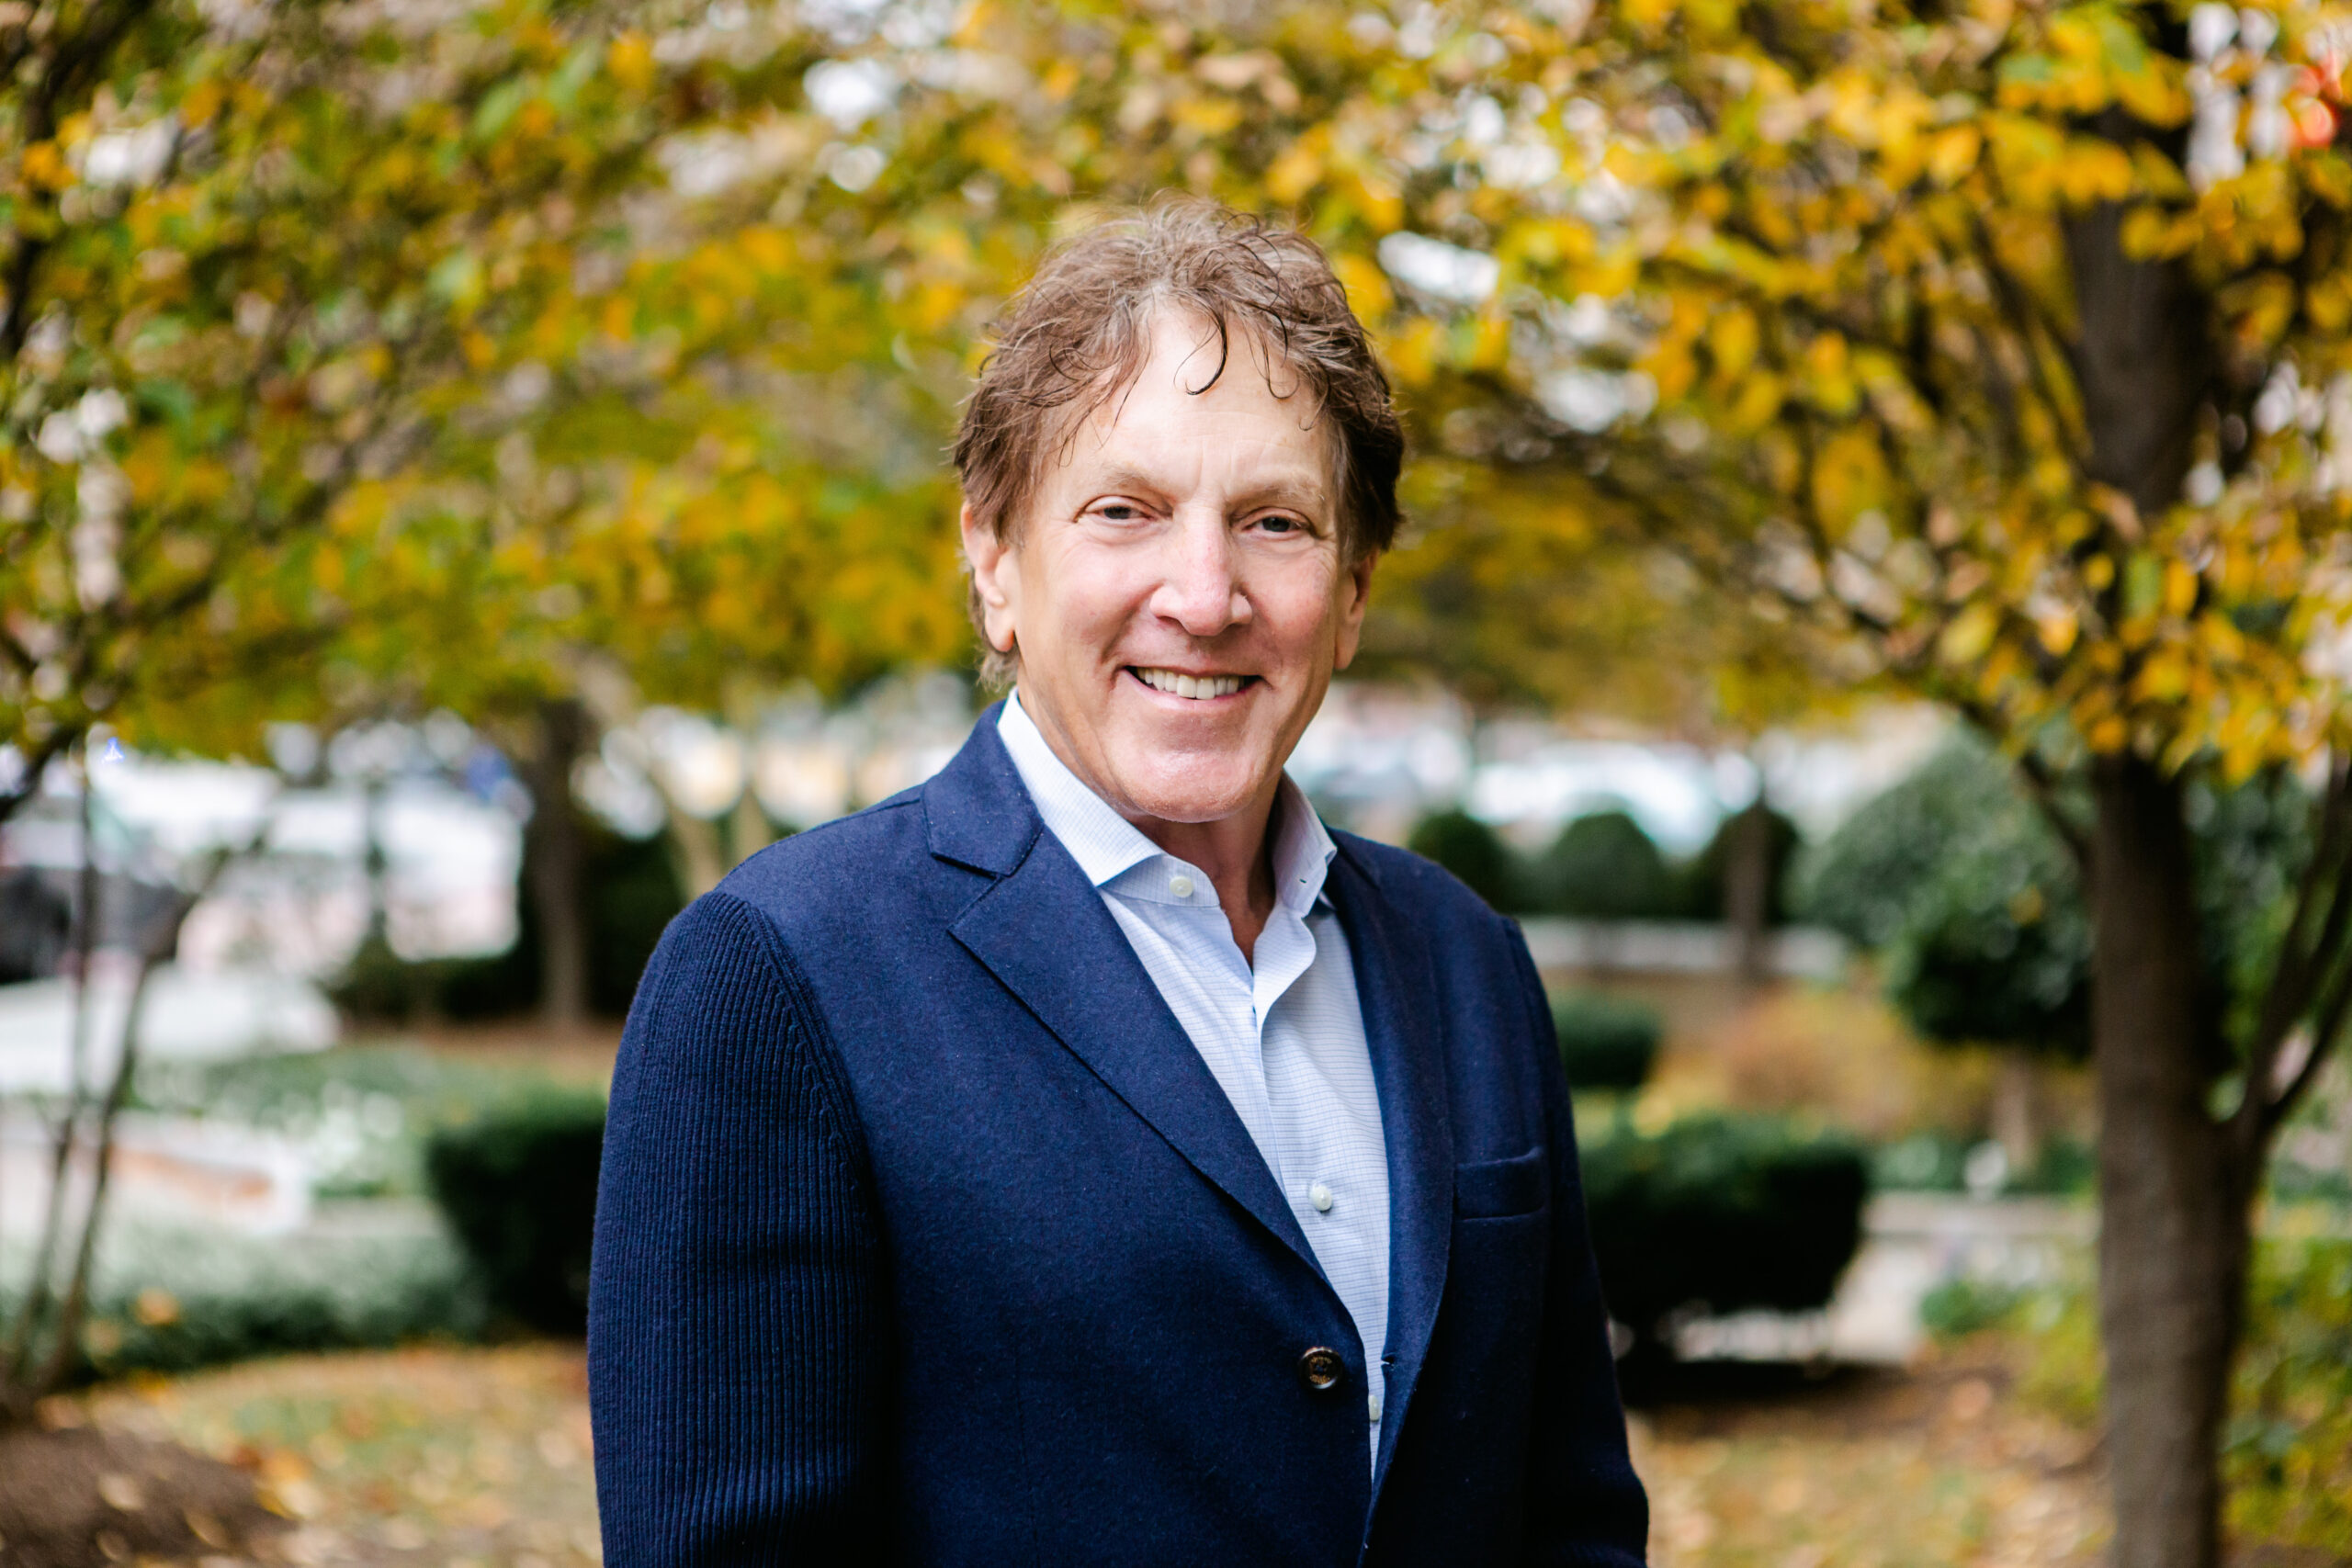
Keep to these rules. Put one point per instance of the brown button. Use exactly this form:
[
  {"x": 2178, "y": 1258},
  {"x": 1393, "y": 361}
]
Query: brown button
[{"x": 1322, "y": 1367}]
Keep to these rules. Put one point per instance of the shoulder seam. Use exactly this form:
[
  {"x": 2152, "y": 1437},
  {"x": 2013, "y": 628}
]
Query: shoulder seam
[{"x": 839, "y": 1103}]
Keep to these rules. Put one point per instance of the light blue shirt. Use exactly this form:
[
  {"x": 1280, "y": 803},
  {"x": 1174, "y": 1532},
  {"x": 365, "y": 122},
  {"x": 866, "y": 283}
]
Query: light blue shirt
[{"x": 1285, "y": 1040}]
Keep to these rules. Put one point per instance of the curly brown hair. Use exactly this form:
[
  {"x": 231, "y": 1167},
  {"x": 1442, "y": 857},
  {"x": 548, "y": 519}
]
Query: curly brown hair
[{"x": 1081, "y": 330}]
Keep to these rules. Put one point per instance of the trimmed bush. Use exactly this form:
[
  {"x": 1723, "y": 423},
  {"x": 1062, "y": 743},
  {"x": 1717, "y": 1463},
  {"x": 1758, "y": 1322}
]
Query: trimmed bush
[
  {"x": 1721, "y": 1213},
  {"x": 1603, "y": 867},
  {"x": 1473, "y": 851},
  {"x": 518, "y": 1185},
  {"x": 1606, "y": 1043}
]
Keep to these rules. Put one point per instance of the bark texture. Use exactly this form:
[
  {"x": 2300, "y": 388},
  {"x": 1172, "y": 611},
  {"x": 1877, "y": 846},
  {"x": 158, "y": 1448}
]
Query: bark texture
[
  {"x": 2173, "y": 1231},
  {"x": 2173, "y": 1202},
  {"x": 554, "y": 855}
]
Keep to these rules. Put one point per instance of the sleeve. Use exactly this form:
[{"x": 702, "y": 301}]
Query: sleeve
[
  {"x": 1585, "y": 1507},
  {"x": 736, "y": 1341}
]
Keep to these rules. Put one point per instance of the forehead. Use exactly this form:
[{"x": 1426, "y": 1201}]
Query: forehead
[{"x": 1204, "y": 407}]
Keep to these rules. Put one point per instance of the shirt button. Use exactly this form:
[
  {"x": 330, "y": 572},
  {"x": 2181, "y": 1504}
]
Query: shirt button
[
  {"x": 1372, "y": 1406},
  {"x": 1181, "y": 885},
  {"x": 1321, "y": 1368},
  {"x": 1321, "y": 1196}
]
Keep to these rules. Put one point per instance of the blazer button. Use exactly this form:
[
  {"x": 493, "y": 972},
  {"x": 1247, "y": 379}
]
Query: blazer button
[{"x": 1321, "y": 1368}]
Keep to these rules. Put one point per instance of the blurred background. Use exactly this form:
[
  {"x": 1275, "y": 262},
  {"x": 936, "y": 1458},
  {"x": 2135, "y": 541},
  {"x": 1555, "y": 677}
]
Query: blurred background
[{"x": 475, "y": 472}]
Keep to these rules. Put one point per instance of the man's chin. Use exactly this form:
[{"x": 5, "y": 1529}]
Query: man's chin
[{"x": 1176, "y": 790}]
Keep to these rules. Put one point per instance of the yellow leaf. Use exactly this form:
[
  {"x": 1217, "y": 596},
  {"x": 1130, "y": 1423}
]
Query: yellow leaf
[
  {"x": 1295, "y": 172},
  {"x": 201, "y": 103},
  {"x": 1952, "y": 153},
  {"x": 1969, "y": 634},
  {"x": 2180, "y": 588},
  {"x": 630, "y": 59},
  {"x": 1732, "y": 337},
  {"x": 1367, "y": 286},
  {"x": 45, "y": 167}
]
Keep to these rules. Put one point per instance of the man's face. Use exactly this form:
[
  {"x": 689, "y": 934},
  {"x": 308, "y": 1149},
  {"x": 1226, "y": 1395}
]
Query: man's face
[{"x": 1176, "y": 589}]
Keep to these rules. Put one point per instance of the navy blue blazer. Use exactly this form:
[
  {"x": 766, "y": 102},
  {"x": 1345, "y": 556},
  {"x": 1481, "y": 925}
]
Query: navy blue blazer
[{"x": 925, "y": 1237}]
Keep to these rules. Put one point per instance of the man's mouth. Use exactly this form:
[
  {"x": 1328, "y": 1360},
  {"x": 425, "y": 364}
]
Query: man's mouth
[{"x": 1198, "y": 688}]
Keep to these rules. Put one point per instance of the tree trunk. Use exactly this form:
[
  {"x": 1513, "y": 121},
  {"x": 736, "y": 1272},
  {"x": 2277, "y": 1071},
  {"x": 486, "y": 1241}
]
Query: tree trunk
[
  {"x": 1748, "y": 886},
  {"x": 2172, "y": 1201},
  {"x": 2017, "y": 1116},
  {"x": 553, "y": 856},
  {"x": 2173, "y": 1233}
]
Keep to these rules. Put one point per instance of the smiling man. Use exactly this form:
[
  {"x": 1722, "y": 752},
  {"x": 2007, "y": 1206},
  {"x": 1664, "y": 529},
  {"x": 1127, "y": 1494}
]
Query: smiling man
[{"x": 1087, "y": 1158}]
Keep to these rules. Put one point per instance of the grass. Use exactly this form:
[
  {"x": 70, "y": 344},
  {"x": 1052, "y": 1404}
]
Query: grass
[
  {"x": 479, "y": 1456},
  {"x": 459, "y": 1457}
]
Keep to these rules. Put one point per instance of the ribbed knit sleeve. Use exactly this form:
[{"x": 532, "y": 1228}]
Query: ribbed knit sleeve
[{"x": 735, "y": 1320}]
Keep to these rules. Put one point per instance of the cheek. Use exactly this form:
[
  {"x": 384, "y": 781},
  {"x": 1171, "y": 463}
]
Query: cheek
[
  {"x": 1301, "y": 612},
  {"x": 1081, "y": 598}
]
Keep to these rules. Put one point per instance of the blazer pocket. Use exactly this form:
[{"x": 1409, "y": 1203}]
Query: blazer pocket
[{"x": 1498, "y": 1188}]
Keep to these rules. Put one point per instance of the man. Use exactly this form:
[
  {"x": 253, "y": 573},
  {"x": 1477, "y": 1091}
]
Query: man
[{"x": 1085, "y": 1157}]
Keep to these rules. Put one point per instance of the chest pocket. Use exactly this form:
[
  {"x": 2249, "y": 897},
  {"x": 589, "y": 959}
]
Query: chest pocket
[{"x": 1498, "y": 1188}]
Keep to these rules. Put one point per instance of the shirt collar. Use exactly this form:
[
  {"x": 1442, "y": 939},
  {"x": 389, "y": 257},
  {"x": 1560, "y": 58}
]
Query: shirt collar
[{"x": 1107, "y": 846}]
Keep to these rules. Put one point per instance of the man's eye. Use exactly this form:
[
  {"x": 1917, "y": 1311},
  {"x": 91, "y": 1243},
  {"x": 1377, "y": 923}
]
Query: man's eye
[
  {"x": 1118, "y": 512},
  {"x": 1277, "y": 523}
]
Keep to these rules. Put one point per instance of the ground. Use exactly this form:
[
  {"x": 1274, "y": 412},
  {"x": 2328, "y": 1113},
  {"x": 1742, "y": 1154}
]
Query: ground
[
  {"x": 1941, "y": 1464},
  {"x": 481, "y": 1457}
]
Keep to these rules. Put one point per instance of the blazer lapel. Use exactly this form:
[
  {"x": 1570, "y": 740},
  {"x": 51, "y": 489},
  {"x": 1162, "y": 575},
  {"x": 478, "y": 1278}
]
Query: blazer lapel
[
  {"x": 1396, "y": 985},
  {"x": 1042, "y": 931}
]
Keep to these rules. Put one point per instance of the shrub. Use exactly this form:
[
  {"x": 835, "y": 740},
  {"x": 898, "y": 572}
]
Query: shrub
[
  {"x": 1959, "y": 881},
  {"x": 359, "y": 1113},
  {"x": 1700, "y": 880},
  {"x": 172, "y": 1299},
  {"x": 1606, "y": 1043},
  {"x": 2288, "y": 1452},
  {"x": 1475, "y": 852},
  {"x": 1938, "y": 1162},
  {"x": 1721, "y": 1213},
  {"x": 1603, "y": 867},
  {"x": 518, "y": 1186},
  {"x": 1962, "y": 1306}
]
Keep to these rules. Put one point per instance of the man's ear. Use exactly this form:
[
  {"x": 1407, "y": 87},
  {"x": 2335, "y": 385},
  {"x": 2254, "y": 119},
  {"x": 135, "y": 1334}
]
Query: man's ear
[
  {"x": 996, "y": 580},
  {"x": 1355, "y": 597}
]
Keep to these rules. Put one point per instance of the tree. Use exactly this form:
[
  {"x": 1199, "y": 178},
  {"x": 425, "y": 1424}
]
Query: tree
[
  {"x": 1976, "y": 911},
  {"x": 1996, "y": 352},
  {"x": 1961, "y": 345},
  {"x": 41, "y": 1342},
  {"x": 359, "y": 363}
]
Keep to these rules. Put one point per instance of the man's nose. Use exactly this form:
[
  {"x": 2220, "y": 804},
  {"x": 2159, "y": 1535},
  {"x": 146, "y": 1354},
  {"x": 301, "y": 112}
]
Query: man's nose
[{"x": 1200, "y": 587}]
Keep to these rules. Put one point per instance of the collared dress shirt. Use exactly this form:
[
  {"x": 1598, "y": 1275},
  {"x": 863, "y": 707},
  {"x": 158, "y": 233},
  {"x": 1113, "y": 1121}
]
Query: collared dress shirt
[{"x": 1283, "y": 1038}]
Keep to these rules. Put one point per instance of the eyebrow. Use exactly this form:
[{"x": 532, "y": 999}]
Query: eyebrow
[{"x": 1306, "y": 497}]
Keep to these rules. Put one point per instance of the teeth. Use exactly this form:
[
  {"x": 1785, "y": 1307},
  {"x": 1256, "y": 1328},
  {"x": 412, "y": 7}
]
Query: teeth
[{"x": 1197, "y": 687}]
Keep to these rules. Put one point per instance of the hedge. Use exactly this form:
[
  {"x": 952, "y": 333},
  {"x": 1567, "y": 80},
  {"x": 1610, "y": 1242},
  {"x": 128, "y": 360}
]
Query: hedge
[
  {"x": 518, "y": 1185},
  {"x": 1605, "y": 1042},
  {"x": 1721, "y": 1213}
]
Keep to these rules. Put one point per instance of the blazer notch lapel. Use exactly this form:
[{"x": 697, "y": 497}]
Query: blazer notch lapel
[
  {"x": 1395, "y": 983},
  {"x": 1042, "y": 931}
]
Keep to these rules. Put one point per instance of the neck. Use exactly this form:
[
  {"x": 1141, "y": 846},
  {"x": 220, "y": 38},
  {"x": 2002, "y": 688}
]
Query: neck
[{"x": 1238, "y": 855}]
